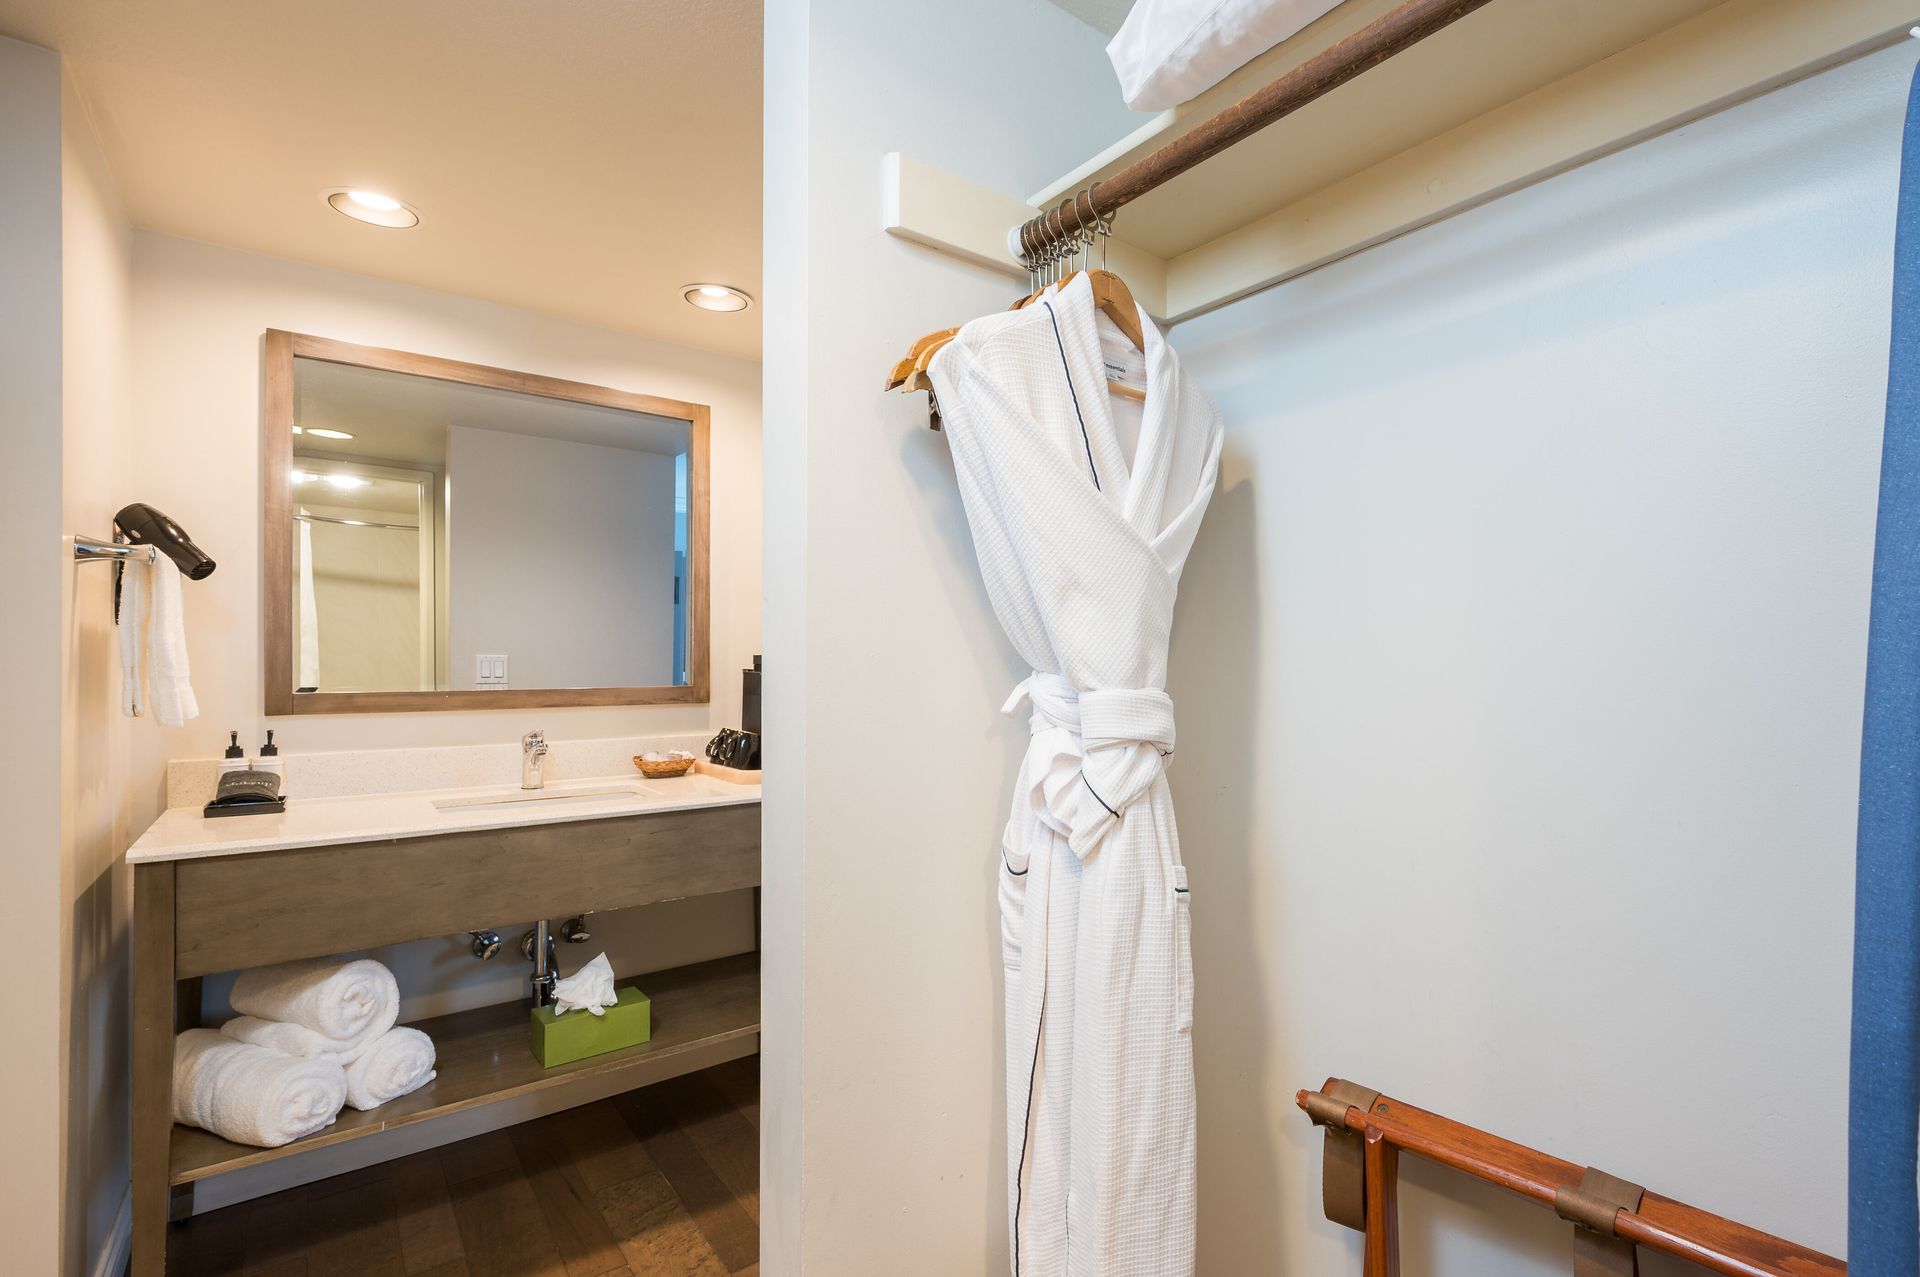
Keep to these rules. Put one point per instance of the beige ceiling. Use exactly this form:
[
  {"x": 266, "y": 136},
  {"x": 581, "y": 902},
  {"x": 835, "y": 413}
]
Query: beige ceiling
[{"x": 584, "y": 159}]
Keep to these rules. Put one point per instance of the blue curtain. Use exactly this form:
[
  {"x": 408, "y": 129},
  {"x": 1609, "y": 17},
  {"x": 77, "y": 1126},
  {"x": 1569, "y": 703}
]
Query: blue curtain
[{"x": 1883, "y": 1219}]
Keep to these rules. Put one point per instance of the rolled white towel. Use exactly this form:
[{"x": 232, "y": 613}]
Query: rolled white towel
[
  {"x": 398, "y": 1062},
  {"x": 321, "y": 1007},
  {"x": 251, "y": 1095},
  {"x": 291, "y": 1039}
]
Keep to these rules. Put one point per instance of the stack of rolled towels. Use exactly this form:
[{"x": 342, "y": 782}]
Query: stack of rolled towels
[{"x": 312, "y": 1036}]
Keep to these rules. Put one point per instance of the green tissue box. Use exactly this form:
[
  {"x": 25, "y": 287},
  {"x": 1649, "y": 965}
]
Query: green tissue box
[{"x": 562, "y": 1039}]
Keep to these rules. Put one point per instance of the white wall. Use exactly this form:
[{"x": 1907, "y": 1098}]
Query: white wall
[
  {"x": 198, "y": 315},
  {"x": 96, "y": 254},
  {"x": 64, "y": 252},
  {"x": 562, "y": 561},
  {"x": 31, "y": 638},
  {"x": 199, "y": 312},
  {"x": 1519, "y": 674},
  {"x": 881, "y": 1054}
]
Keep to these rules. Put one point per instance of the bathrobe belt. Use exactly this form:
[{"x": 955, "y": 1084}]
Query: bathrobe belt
[{"x": 1102, "y": 750}]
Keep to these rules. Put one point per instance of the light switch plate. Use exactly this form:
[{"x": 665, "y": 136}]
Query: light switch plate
[{"x": 490, "y": 671}]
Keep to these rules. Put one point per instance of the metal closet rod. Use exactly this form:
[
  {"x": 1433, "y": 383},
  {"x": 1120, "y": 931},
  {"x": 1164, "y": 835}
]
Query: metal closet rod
[{"x": 1393, "y": 33}]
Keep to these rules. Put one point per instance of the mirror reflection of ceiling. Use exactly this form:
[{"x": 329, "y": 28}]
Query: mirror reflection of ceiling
[
  {"x": 402, "y": 418},
  {"x": 1104, "y": 16},
  {"x": 579, "y": 160},
  {"x": 379, "y": 499}
]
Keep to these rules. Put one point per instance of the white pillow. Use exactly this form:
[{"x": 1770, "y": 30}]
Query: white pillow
[{"x": 1170, "y": 51}]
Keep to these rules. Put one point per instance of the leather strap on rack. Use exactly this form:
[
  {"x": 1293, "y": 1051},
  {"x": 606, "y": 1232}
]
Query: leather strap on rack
[
  {"x": 1343, "y": 1170},
  {"x": 1593, "y": 1208}
]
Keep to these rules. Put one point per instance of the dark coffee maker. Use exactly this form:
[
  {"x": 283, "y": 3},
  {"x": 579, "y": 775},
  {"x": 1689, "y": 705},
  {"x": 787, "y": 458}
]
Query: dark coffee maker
[{"x": 741, "y": 747}]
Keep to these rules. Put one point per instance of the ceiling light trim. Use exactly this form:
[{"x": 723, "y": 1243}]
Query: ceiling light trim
[
  {"x": 372, "y": 210},
  {"x": 719, "y": 299}
]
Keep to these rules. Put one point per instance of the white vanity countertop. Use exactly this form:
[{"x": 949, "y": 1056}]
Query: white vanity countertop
[{"x": 182, "y": 833}]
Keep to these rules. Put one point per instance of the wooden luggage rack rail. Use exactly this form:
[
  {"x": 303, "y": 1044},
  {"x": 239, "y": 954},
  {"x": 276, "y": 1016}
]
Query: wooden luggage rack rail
[{"x": 1367, "y": 1132}]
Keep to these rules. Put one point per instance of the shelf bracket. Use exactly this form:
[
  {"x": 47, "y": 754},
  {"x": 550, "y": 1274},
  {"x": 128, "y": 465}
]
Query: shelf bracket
[{"x": 963, "y": 219}]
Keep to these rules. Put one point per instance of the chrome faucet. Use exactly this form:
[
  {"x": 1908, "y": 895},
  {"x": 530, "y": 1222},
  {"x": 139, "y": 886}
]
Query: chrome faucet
[{"x": 533, "y": 758}]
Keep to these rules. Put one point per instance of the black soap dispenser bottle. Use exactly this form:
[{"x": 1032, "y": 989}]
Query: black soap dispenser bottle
[
  {"x": 269, "y": 760},
  {"x": 235, "y": 759}
]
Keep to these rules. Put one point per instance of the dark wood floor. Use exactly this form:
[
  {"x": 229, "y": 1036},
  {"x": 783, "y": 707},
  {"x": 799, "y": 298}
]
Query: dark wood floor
[{"x": 658, "y": 1182}]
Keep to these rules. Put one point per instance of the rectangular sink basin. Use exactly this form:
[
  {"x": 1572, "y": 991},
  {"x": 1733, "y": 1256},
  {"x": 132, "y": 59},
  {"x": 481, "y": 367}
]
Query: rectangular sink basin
[{"x": 543, "y": 800}]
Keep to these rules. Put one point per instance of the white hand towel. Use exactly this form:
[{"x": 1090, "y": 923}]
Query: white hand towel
[
  {"x": 251, "y": 1095},
  {"x": 172, "y": 694},
  {"x": 134, "y": 607},
  {"x": 309, "y": 610},
  {"x": 589, "y": 989},
  {"x": 343, "y": 1005},
  {"x": 398, "y": 1062}
]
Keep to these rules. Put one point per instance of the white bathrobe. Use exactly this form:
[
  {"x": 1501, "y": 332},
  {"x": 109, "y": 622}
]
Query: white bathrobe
[{"x": 1081, "y": 543}]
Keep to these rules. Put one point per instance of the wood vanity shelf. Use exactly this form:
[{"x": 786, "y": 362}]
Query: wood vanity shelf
[{"x": 215, "y": 911}]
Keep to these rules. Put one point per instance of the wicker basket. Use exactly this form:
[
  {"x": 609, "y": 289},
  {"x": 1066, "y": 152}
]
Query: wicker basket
[{"x": 663, "y": 768}]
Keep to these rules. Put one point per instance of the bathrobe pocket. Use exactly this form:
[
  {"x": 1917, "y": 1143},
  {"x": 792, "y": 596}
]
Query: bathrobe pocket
[
  {"x": 1013, "y": 904},
  {"x": 1182, "y": 952}
]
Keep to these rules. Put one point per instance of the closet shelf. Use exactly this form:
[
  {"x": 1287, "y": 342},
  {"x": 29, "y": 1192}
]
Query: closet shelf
[
  {"x": 702, "y": 1015},
  {"x": 1507, "y": 96}
]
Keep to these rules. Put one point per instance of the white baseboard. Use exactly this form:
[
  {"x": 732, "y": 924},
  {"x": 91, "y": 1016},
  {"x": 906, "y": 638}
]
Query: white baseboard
[{"x": 118, "y": 1251}]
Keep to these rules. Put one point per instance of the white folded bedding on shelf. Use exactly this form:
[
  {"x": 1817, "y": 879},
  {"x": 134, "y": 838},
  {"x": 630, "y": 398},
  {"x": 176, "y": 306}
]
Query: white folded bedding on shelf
[{"x": 1171, "y": 51}]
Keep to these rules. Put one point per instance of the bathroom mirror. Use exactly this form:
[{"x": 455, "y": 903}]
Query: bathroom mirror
[{"x": 442, "y": 535}]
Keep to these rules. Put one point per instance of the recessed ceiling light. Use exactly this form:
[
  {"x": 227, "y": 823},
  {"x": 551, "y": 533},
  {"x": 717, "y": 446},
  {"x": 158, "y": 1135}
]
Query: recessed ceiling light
[
  {"x": 321, "y": 432},
  {"x": 344, "y": 482},
  {"x": 722, "y": 297},
  {"x": 371, "y": 207}
]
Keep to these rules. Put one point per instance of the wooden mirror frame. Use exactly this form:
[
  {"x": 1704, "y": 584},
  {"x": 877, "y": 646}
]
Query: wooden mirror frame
[{"x": 276, "y": 459}]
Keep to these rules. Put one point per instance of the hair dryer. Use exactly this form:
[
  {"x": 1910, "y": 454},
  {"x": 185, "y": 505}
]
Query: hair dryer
[{"x": 143, "y": 525}]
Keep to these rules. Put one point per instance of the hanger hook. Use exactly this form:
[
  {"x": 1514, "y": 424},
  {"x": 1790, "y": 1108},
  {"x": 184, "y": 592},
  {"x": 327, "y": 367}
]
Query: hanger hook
[
  {"x": 1092, "y": 230},
  {"x": 1079, "y": 224}
]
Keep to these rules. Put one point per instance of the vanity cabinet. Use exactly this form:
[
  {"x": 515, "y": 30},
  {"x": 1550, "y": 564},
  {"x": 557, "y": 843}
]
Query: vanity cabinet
[{"x": 206, "y": 913}]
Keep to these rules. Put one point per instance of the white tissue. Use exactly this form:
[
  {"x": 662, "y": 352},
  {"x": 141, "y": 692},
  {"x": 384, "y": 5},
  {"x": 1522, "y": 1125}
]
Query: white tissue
[{"x": 588, "y": 989}]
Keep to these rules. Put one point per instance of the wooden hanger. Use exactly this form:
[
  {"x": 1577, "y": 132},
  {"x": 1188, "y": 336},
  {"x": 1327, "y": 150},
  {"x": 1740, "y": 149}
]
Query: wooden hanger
[
  {"x": 1111, "y": 297},
  {"x": 1115, "y": 300},
  {"x": 918, "y": 356}
]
